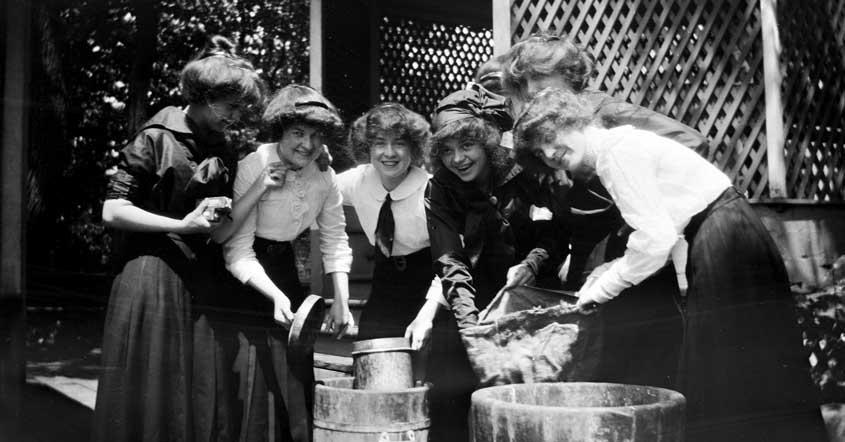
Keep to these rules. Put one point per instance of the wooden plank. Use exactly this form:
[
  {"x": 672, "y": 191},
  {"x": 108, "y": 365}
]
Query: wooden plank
[{"x": 774, "y": 106}]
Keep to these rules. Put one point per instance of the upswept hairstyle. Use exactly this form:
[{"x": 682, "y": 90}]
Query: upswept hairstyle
[
  {"x": 296, "y": 103},
  {"x": 489, "y": 74},
  {"x": 549, "y": 111},
  {"x": 217, "y": 73},
  {"x": 474, "y": 129},
  {"x": 389, "y": 118},
  {"x": 542, "y": 55}
]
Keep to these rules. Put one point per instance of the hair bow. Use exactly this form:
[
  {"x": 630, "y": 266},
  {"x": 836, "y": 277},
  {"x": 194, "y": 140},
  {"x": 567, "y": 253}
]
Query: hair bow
[{"x": 474, "y": 102}]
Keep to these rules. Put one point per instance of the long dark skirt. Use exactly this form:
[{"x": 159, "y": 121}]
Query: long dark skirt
[
  {"x": 744, "y": 372},
  {"x": 399, "y": 287},
  {"x": 276, "y": 385},
  {"x": 643, "y": 334},
  {"x": 144, "y": 393}
]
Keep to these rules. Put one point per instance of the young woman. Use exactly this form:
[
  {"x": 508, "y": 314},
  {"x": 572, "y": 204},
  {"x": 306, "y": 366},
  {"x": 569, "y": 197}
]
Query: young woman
[
  {"x": 741, "y": 338},
  {"x": 392, "y": 141},
  {"x": 157, "y": 200},
  {"x": 295, "y": 194},
  {"x": 542, "y": 61},
  {"x": 482, "y": 233}
]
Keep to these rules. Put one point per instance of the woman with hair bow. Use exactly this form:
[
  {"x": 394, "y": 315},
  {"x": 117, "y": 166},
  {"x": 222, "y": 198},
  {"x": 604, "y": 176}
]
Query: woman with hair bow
[{"x": 482, "y": 233}]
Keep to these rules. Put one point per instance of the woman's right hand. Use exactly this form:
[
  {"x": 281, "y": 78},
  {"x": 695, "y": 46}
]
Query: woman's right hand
[
  {"x": 195, "y": 222},
  {"x": 281, "y": 310},
  {"x": 274, "y": 175}
]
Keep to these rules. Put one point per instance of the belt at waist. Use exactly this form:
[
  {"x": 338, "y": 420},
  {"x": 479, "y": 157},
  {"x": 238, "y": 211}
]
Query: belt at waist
[
  {"x": 725, "y": 197},
  {"x": 264, "y": 245}
]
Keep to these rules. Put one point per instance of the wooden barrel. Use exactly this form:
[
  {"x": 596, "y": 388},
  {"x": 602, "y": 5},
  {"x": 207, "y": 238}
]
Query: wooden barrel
[
  {"x": 382, "y": 364},
  {"x": 577, "y": 411},
  {"x": 344, "y": 414}
]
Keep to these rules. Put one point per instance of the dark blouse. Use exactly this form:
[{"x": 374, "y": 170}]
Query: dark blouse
[
  {"x": 476, "y": 236},
  {"x": 166, "y": 169}
]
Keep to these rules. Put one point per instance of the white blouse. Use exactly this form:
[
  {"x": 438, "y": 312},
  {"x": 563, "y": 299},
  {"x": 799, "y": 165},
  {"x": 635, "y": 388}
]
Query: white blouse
[
  {"x": 281, "y": 214},
  {"x": 362, "y": 189},
  {"x": 658, "y": 185}
]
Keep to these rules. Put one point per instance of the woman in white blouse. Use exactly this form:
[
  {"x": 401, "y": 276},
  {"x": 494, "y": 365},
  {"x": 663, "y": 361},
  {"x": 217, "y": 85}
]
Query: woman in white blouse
[
  {"x": 743, "y": 370},
  {"x": 405, "y": 295},
  {"x": 286, "y": 192}
]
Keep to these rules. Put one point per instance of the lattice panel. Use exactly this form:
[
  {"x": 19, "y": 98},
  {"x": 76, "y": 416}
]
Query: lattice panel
[
  {"x": 421, "y": 62},
  {"x": 697, "y": 61},
  {"x": 813, "y": 41}
]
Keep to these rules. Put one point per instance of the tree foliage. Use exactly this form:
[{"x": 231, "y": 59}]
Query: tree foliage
[{"x": 83, "y": 59}]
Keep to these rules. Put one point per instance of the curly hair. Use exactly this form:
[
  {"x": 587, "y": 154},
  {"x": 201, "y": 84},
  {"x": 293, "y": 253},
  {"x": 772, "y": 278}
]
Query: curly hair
[
  {"x": 473, "y": 129},
  {"x": 217, "y": 73},
  {"x": 546, "y": 54},
  {"x": 296, "y": 103},
  {"x": 551, "y": 110},
  {"x": 390, "y": 118}
]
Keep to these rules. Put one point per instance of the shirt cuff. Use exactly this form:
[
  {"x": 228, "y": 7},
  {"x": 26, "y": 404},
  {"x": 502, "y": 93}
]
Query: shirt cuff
[
  {"x": 245, "y": 269},
  {"x": 609, "y": 285},
  {"x": 435, "y": 291},
  {"x": 337, "y": 264}
]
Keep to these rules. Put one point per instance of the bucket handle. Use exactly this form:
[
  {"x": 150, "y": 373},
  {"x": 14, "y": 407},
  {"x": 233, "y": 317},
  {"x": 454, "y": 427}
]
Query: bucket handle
[{"x": 404, "y": 436}]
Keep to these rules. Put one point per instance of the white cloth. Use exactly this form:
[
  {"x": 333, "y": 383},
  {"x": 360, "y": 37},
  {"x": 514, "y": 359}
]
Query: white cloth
[
  {"x": 658, "y": 186},
  {"x": 362, "y": 189},
  {"x": 281, "y": 214}
]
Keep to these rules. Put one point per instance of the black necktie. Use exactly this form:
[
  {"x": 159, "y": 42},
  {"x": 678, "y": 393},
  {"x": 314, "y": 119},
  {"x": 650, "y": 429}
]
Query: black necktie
[{"x": 385, "y": 227}]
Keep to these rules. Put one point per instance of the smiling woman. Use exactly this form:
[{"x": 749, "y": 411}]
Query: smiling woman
[
  {"x": 482, "y": 234},
  {"x": 285, "y": 192}
]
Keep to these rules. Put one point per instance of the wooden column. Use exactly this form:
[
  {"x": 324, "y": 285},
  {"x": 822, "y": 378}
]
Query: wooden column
[
  {"x": 501, "y": 26},
  {"x": 15, "y": 16},
  {"x": 774, "y": 107},
  {"x": 315, "y": 70}
]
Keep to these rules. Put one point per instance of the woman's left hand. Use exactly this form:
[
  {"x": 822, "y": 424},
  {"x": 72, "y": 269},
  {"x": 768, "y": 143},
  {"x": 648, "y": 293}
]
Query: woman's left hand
[
  {"x": 419, "y": 332},
  {"x": 340, "y": 319},
  {"x": 520, "y": 274}
]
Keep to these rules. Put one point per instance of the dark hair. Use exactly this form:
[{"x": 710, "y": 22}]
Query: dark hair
[
  {"x": 544, "y": 55},
  {"x": 472, "y": 129},
  {"x": 219, "y": 73},
  {"x": 562, "y": 110},
  {"x": 296, "y": 103},
  {"x": 389, "y": 118},
  {"x": 489, "y": 74}
]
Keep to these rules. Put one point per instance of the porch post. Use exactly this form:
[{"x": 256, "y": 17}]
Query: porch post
[
  {"x": 774, "y": 107},
  {"x": 501, "y": 26},
  {"x": 15, "y": 27},
  {"x": 315, "y": 40}
]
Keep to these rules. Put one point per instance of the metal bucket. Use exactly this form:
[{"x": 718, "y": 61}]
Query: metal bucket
[
  {"x": 577, "y": 411},
  {"x": 382, "y": 364},
  {"x": 344, "y": 414}
]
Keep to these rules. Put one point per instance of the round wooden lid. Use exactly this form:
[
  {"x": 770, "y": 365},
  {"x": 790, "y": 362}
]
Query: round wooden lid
[{"x": 306, "y": 323}]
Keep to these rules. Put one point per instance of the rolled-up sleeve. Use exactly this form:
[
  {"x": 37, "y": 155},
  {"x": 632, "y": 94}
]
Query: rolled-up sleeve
[
  {"x": 334, "y": 243},
  {"x": 238, "y": 252},
  {"x": 627, "y": 175}
]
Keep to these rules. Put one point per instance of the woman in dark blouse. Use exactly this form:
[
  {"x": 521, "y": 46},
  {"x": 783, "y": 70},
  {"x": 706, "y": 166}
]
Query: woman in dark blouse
[
  {"x": 157, "y": 200},
  {"x": 484, "y": 233}
]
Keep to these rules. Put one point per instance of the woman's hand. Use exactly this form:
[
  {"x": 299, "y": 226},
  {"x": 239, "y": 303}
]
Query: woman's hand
[
  {"x": 195, "y": 222},
  {"x": 281, "y": 310},
  {"x": 585, "y": 306},
  {"x": 274, "y": 175},
  {"x": 419, "y": 332},
  {"x": 340, "y": 318},
  {"x": 520, "y": 274}
]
